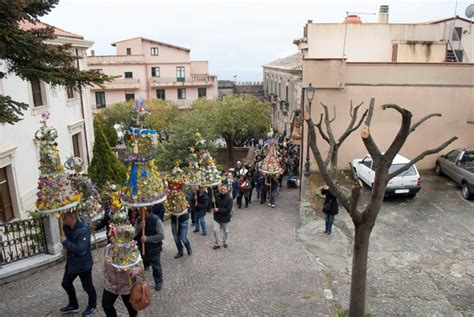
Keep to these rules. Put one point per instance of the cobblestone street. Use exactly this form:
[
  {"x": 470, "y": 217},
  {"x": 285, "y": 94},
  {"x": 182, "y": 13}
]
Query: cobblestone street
[{"x": 264, "y": 272}]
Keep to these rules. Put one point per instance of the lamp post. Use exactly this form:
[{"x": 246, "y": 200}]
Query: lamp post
[{"x": 309, "y": 96}]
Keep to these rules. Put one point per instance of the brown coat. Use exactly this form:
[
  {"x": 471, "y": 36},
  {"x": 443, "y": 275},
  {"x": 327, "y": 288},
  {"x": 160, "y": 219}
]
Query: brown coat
[{"x": 119, "y": 282}]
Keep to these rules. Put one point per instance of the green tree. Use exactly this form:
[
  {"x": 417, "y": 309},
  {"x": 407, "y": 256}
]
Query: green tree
[
  {"x": 28, "y": 55},
  {"x": 109, "y": 131},
  {"x": 235, "y": 119},
  {"x": 104, "y": 166},
  {"x": 182, "y": 137}
]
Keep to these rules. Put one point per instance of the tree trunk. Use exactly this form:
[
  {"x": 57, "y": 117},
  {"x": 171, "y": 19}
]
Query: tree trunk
[
  {"x": 359, "y": 270},
  {"x": 230, "y": 151},
  {"x": 333, "y": 171}
]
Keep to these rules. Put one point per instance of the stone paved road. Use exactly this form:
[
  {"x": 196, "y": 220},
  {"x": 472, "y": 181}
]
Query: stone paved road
[{"x": 264, "y": 272}]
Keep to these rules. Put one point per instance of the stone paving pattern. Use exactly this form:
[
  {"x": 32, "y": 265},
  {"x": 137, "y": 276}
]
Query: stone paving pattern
[{"x": 264, "y": 272}]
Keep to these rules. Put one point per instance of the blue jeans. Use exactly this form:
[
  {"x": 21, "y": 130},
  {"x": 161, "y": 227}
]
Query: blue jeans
[
  {"x": 273, "y": 195},
  {"x": 201, "y": 222},
  {"x": 179, "y": 229},
  {"x": 329, "y": 222}
]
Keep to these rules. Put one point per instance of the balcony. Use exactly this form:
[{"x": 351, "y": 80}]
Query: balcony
[
  {"x": 101, "y": 60},
  {"x": 198, "y": 80},
  {"x": 119, "y": 84}
]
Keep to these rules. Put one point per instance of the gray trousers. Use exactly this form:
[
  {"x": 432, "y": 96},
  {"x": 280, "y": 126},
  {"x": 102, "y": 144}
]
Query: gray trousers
[{"x": 217, "y": 229}]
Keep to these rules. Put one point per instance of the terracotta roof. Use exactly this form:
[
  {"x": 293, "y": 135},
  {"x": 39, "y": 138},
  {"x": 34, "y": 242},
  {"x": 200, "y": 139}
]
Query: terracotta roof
[
  {"x": 27, "y": 25},
  {"x": 445, "y": 19},
  {"x": 292, "y": 62},
  {"x": 153, "y": 41}
]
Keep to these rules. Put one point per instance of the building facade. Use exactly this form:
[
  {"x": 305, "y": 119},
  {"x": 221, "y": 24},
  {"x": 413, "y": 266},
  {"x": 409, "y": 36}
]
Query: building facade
[
  {"x": 411, "y": 65},
  {"x": 70, "y": 115},
  {"x": 282, "y": 85},
  {"x": 152, "y": 70}
]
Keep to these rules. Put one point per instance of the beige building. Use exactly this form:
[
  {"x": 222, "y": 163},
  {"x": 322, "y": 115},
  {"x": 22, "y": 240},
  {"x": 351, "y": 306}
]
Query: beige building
[
  {"x": 282, "y": 86},
  {"x": 418, "y": 66},
  {"x": 151, "y": 69}
]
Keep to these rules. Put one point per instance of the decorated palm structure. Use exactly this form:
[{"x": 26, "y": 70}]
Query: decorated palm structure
[
  {"x": 271, "y": 163},
  {"x": 55, "y": 192},
  {"x": 144, "y": 186},
  {"x": 89, "y": 208},
  {"x": 202, "y": 170},
  {"x": 176, "y": 203}
]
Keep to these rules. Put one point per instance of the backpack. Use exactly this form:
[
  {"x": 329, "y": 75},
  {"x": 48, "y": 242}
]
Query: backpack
[{"x": 140, "y": 295}]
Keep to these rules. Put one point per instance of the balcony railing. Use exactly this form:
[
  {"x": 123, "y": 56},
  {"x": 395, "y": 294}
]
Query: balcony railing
[
  {"x": 21, "y": 239},
  {"x": 193, "y": 81},
  {"x": 119, "y": 84}
]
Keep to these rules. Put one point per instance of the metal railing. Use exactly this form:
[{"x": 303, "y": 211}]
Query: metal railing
[{"x": 21, "y": 239}]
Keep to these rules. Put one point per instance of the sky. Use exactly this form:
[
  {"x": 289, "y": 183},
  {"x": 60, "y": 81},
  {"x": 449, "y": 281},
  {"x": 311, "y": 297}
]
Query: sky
[{"x": 237, "y": 37}]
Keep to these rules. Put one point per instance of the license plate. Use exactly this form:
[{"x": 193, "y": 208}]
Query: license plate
[{"x": 402, "y": 191}]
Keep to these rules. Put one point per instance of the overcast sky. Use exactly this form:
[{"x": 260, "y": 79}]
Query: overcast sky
[{"x": 236, "y": 36}]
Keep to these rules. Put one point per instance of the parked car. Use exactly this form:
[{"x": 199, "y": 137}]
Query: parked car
[
  {"x": 459, "y": 166},
  {"x": 407, "y": 183}
]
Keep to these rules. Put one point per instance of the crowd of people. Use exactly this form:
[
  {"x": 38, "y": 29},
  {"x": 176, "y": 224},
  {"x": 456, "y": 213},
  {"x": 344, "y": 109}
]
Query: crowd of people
[{"x": 238, "y": 185}]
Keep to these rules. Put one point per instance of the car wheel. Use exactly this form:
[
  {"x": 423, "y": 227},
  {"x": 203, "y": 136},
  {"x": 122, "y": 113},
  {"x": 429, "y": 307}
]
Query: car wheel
[
  {"x": 438, "y": 170},
  {"x": 466, "y": 194}
]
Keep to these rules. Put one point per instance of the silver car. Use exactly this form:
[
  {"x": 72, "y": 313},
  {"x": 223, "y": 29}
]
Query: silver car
[{"x": 459, "y": 166}]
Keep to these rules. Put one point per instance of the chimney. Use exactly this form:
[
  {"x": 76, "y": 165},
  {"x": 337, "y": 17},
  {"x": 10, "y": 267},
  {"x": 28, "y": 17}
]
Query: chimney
[
  {"x": 92, "y": 53},
  {"x": 383, "y": 14}
]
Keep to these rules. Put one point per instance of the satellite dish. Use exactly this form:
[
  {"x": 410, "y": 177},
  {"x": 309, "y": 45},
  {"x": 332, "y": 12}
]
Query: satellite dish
[{"x": 470, "y": 11}]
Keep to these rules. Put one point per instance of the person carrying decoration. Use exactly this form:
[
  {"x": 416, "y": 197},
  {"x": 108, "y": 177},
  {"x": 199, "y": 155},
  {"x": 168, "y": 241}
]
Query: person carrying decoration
[
  {"x": 222, "y": 214},
  {"x": 122, "y": 265},
  {"x": 77, "y": 242},
  {"x": 272, "y": 187},
  {"x": 201, "y": 203},
  {"x": 244, "y": 192},
  {"x": 153, "y": 240},
  {"x": 176, "y": 206}
]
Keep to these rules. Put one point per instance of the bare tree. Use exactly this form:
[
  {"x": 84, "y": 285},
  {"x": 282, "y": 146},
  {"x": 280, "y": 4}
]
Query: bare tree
[
  {"x": 328, "y": 136},
  {"x": 364, "y": 220}
]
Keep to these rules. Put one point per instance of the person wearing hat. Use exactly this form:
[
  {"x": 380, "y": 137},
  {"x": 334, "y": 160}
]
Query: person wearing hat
[{"x": 222, "y": 215}]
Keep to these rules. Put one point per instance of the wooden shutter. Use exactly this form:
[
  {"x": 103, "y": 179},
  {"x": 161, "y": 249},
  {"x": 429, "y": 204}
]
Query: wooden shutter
[{"x": 6, "y": 207}]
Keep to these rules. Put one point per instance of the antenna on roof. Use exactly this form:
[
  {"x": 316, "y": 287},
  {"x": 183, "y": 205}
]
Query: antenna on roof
[{"x": 470, "y": 14}]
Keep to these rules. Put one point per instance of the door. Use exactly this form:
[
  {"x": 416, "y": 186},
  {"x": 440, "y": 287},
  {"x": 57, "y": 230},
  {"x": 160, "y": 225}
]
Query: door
[
  {"x": 365, "y": 170},
  {"x": 448, "y": 164},
  {"x": 6, "y": 207}
]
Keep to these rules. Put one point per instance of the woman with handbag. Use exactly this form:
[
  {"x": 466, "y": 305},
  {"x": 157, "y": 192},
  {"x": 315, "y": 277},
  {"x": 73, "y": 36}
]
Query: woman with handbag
[
  {"x": 330, "y": 208},
  {"x": 118, "y": 282}
]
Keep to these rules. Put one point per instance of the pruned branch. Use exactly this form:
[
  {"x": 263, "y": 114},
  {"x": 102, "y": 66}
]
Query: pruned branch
[
  {"x": 334, "y": 118},
  {"x": 417, "y": 124},
  {"x": 402, "y": 134},
  {"x": 327, "y": 122},
  {"x": 356, "y": 215},
  {"x": 351, "y": 128},
  {"x": 320, "y": 129},
  {"x": 420, "y": 157},
  {"x": 369, "y": 143}
]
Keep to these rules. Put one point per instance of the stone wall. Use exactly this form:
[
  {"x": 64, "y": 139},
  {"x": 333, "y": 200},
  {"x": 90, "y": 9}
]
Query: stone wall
[{"x": 239, "y": 154}]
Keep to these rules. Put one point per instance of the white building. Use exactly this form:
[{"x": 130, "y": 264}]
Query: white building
[{"x": 70, "y": 114}]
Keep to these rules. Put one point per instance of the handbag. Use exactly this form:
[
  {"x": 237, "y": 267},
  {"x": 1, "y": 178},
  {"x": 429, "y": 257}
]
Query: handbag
[{"x": 140, "y": 295}]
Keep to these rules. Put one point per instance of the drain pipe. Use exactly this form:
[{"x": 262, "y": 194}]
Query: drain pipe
[{"x": 81, "y": 100}]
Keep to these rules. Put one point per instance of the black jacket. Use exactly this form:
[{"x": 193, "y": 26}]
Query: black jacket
[
  {"x": 202, "y": 204},
  {"x": 224, "y": 204},
  {"x": 330, "y": 203},
  {"x": 78, "y": 246},
  {"x": 104, "y": 222}
]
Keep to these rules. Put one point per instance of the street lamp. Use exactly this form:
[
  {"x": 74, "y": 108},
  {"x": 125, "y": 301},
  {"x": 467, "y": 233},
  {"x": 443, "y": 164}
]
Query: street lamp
[{"x": 309, "y": 96}]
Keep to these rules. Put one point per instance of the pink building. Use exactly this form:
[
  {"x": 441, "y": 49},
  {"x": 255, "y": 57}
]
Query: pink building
[{"x": 151, "y": 70}]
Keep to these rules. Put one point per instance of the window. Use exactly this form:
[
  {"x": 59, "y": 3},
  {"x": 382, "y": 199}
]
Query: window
[
  {"x": 452, "y": 156},
  {"x": 129, "y": 51},
  {"x": 100, "y": 99},
  {"x": 129, "y": 96},
  {"x": 394, "y": 53},
  {"x": 457, "y": 34},
  {"x": 181, "y": 93},
  {"x": 154, "y": 51},
  {"x": 160, "y": 94},
  {"x": 286, "y": 94},
  {"x": 128, "y": 75},
  {"x": 180, "y": 73},
  {"x": 155, "y": 72},
  {"x": 202, "y": 92},
  {"x": 75, "y": 145},
  {"x": 70, "y": 92},
  {"x": 6, "y": 206},
  {"x": 367, "y": 162},
  {"x": 37, "y": 93},
  {"x": 409, "y": 172}
]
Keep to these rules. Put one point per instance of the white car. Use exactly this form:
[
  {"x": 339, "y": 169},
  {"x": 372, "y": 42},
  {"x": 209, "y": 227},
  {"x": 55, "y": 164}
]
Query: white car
[{"x": 407, "y": 183}]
